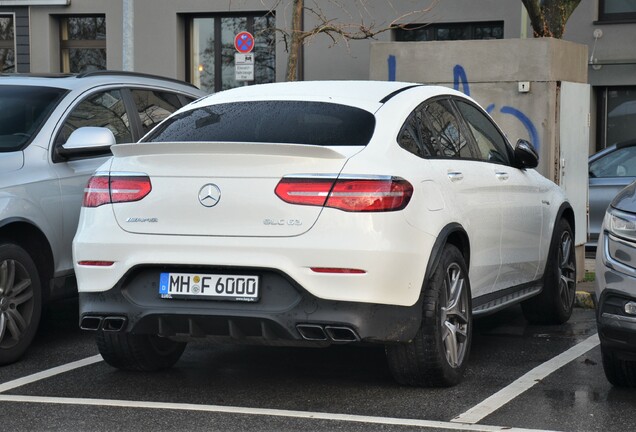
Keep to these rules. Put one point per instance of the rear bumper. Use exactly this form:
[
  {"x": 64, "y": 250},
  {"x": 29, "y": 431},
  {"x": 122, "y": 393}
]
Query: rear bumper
[
  {"x": 286, "y": 314},
  {"x": 392, "y": 254}
]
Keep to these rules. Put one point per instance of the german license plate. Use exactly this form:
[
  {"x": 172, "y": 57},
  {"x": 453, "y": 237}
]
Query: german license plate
[{"x": 209, "y": 286}]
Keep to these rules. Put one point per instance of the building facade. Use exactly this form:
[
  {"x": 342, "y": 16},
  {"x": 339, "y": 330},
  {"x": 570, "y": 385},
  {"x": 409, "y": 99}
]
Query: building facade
[{"x": 193, "y": 40}]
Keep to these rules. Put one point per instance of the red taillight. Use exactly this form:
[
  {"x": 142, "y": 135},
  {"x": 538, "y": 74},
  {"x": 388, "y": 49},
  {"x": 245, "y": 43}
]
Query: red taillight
[
  {"x": 107, "y": 189},
  {"x": 304, "y": 191},
  {"x": 127, "y": 189},
  {"x": 348, "y": 194},
  {"x": 97, "y": 191}
]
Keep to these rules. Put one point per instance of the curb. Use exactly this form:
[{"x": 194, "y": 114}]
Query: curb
[{"x": 584, "y": 300}]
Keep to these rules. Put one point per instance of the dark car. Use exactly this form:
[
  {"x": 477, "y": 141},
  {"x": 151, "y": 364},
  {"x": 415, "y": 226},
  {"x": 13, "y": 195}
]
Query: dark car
[
  {"x": 616, "y": 289},
  {"x": 610, "y": 170}
]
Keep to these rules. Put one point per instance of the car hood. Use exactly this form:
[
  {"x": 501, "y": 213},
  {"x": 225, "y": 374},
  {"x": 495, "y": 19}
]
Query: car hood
[
  {"x": 626, "y": 199},
  {"x": 11, "y": 161}
]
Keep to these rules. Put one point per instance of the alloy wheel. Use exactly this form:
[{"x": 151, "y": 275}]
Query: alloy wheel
[
  {"x": 16, "y": 302},
  {"x": 567, "y": 270},
  {"x": 454, "y": 316}
]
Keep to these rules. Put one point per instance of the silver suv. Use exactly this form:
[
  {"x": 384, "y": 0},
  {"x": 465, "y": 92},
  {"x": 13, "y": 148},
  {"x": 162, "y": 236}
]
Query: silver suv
[{"x": 48, "y": 149}]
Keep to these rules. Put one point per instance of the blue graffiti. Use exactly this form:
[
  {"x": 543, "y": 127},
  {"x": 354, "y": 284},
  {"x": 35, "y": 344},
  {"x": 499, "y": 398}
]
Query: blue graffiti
[
  {"x": 392, "y": 67},
  {"x": 460, "y": 78},
  {"x": 527, "y": 123}
]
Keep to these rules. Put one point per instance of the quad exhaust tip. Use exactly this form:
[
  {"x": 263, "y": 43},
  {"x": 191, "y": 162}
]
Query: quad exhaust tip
[
  {"x": 107, "y": 324},
  {"x": 317, "y": 332}
]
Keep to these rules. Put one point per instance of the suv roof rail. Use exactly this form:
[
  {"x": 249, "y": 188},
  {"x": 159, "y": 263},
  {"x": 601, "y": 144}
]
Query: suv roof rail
[{"x": 129, "y": 73}]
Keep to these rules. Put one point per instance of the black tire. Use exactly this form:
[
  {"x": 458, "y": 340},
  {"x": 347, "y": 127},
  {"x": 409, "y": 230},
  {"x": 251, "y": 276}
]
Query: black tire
[
  {"x": 20, "y": 302},
  {"x": 438, "y": 354},
  {"x": 619, "y": 372},
  {"x": 555, "y": 302},
  {"x": 138, "y": 352}
]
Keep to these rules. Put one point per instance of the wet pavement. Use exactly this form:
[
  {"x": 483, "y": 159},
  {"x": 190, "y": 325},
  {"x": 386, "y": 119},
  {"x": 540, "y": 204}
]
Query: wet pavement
[{"x": 238, "y": 388}]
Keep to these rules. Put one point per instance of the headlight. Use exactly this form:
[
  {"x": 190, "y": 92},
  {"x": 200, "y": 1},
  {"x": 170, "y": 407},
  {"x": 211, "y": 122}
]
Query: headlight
[{"x": 620, "y": 224}]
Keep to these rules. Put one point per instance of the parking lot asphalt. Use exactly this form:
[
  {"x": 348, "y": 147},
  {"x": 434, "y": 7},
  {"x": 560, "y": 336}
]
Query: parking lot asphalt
[{"x": 519, "y": 376}]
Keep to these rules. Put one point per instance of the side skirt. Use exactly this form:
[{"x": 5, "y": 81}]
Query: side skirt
[{"x": 493, "y": 302}]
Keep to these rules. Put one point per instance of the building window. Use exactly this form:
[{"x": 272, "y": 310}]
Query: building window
[
  {"x": 617, "y": 10},
  {"x": 616, "y": 115},
  {"x": 211, "y": 49},
  {"x": 83, "y": 43},
  {"x": 452, "y": 31},
  {"x": 7, "y": 44}
]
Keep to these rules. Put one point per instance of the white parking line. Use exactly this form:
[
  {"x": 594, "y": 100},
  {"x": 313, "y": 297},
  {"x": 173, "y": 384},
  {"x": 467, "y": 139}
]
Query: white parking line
[
  {"x": 49, "y": 373},
  {"x": 262, "y": 412},
  {"x": 505, "y": 395}
]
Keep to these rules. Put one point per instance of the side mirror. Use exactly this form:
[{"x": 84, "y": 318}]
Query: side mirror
[
  {"x": 525, "y": 155},
  {"x": 86, "y": 142}
]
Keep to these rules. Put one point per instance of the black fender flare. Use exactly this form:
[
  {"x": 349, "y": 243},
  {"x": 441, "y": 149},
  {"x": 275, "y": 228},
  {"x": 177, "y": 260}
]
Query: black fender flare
[{"x": 460, "y": 239}]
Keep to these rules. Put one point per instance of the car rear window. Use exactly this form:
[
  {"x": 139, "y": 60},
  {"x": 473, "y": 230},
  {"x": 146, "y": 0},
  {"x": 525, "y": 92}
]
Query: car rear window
[
  {"x": 289, "y": 122},
  {"x": 23, "y": 110}
]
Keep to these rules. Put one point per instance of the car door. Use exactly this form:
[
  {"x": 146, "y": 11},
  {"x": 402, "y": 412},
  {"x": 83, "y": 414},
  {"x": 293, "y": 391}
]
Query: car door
[
  {"x": 469, "y": 187},
  {"x": 608, "y": 174},
  {"x": 521, "y": 199}
]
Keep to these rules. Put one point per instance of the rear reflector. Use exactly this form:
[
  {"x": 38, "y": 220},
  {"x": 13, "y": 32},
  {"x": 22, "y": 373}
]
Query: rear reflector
[
  {"x": 107, "y": 189},
  {"x": 337, "y": 270},
  {"x": 348, "y": 194},
  {"x": 96, "y": 263}
]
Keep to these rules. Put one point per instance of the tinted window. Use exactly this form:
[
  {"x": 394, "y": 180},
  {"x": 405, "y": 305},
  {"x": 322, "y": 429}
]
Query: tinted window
[
  {"x": 292, "y": 122},
  {"x": 620, "y": 163},
  {"x": 490, "y": 143},
  {"x": 447, "y": 138},
  {"x": 154, "y": 106},
  {"x": 105, "y": 109},
  {"x": 23, "y": 110},
  {"x": 416, "y": 135}
]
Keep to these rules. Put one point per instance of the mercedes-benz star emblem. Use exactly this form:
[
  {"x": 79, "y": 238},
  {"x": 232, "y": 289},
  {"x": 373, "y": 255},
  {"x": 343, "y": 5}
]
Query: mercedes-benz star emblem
[{"x": 209, "y": 195}]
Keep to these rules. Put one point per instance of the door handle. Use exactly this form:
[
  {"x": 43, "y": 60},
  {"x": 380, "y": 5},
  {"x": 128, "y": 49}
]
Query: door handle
[
  {"x": 502, "y": 175},
  {"x": 455, "y": 175}
]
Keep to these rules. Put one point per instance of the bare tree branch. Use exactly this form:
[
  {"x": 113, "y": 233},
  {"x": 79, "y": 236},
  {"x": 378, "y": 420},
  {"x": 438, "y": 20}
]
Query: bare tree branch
[{"x": 360, "y": 26}]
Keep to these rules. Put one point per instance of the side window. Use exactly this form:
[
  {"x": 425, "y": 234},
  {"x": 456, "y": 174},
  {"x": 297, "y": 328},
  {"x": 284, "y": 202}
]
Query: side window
[
  {"x": 103, "y": 109},
  {"x": 447, "y": 139},
  {"x": 620, "y": 163},
  {"x": 154, "y": 106},
  {"x": 415, "y": 136},
  {"x": 491, "y": 144}
]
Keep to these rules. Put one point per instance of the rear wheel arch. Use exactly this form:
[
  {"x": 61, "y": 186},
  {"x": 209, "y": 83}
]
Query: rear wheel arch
[
  {"x": 35, "y": 243},
  {"x": 454, "y": 234}
]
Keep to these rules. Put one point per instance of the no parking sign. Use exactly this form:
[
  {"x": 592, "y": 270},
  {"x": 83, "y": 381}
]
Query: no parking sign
[
  {"x": 243, "y": 60},
  {"x": 244, "y": 42}
]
